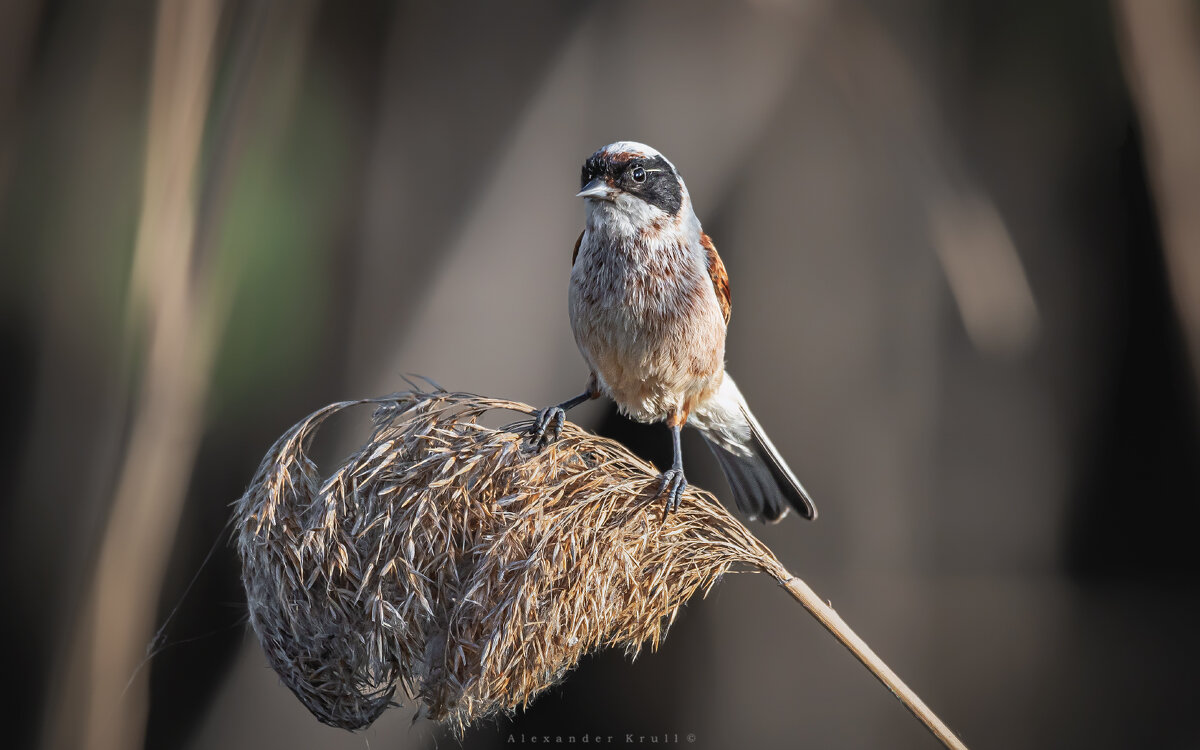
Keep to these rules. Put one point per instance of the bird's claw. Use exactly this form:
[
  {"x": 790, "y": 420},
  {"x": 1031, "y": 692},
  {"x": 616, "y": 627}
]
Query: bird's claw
[
  {"x": 672, "y": 483},
  {"x": 547, "y": 426}
]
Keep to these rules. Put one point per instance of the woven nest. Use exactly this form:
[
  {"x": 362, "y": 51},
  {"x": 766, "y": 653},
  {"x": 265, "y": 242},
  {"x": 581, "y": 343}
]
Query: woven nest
[{"x": 446, "y": 558}]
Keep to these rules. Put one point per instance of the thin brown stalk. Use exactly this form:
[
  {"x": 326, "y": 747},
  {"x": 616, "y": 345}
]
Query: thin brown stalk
[{"x": 837, "y": 627}]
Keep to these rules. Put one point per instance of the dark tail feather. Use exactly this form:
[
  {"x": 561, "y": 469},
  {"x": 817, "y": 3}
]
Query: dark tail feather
[{"x": 763, "y": 486}]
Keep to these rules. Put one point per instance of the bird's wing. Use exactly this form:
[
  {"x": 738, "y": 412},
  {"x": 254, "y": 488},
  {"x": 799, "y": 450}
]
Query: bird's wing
[
  {"x": 575, "y": 252},
  {"x": 720, "y": 279}
]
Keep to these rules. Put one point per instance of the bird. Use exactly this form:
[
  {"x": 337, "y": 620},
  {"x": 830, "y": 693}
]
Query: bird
[{"x": 649, "y": 304}]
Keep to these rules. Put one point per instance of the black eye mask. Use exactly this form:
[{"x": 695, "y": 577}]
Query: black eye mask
[{"x": 660, "y": 188}]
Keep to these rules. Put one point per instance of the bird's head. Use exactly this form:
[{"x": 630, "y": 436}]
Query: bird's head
[{"x": 631, "y": 183}]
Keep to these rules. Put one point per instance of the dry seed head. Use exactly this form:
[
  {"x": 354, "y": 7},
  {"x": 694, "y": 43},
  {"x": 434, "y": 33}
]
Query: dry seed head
[{"x": 447, "y": 558}]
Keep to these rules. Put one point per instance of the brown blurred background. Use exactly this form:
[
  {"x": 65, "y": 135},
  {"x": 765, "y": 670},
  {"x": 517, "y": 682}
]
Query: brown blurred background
[{"x": 964, "y": 247}]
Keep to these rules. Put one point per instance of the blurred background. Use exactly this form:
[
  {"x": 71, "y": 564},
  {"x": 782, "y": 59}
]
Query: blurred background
[{"x": 964, "y": 247}]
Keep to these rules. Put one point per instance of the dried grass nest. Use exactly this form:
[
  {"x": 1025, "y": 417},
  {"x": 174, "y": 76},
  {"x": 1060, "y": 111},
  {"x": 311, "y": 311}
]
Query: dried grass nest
[{"x": 447, "y": 558}]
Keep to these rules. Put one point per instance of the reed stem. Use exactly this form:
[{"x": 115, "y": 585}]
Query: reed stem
[{"x": 831, "y": 621}]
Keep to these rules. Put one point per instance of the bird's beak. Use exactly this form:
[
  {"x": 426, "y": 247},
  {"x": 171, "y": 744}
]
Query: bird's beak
[{"x": 597, "y": 189}]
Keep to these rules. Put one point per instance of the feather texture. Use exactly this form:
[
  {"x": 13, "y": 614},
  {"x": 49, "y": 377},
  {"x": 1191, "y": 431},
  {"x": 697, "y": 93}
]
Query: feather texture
[
  {"x": 763, "y": 486},
  {"x": 650, "y": 305},
  {"x": 720, "y": 279}
]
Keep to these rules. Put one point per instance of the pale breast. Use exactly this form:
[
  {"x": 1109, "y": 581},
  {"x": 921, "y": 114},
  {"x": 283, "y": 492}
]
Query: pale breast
[{"x": 649, "y": 325}]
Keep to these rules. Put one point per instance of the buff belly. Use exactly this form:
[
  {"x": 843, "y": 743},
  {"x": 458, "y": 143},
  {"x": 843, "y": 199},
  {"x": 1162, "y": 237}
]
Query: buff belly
[{"x": 655, "y": 350}]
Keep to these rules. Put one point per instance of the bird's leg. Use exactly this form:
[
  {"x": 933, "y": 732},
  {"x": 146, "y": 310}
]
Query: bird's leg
[
  {"x": 673, "y": 482},
  {"x": 549, "y": 421}
]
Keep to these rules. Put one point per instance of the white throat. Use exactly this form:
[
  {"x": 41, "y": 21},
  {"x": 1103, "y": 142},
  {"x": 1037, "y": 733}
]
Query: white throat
[{"x": 626, "y": 217}]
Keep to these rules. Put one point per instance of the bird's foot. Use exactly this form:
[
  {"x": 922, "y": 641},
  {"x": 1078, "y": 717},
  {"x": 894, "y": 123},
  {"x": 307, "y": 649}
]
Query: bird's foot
[
  {"x": 546, "y": 426},
  {"x": 672, "y": 483}
]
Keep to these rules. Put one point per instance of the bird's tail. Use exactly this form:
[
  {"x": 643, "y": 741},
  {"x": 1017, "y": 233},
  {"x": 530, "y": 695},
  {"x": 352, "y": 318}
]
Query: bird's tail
[{"x": 764, "y": 488}]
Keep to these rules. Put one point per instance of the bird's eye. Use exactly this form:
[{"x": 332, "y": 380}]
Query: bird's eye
[{"x": 638, "y": 174}]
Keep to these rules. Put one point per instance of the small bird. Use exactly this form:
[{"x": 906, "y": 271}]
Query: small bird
[{"x": 649, "y": 302}]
